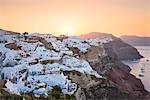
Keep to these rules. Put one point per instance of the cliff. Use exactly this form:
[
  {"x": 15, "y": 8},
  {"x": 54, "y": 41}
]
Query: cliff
[
  {"x": 121, "y": 49},
  {"x": 119, "y": 83}
]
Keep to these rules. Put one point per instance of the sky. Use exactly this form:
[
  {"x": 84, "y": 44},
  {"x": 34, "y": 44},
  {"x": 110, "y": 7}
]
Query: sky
[{"x": 74, "y": 17}]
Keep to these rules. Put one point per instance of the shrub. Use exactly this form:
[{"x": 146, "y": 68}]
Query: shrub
[
  {"x": 70, "y": 97},
  {"x": 56, "y": 91}
]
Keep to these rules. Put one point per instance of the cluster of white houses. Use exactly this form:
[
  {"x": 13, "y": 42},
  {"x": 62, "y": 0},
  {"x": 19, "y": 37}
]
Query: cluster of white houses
[{"x": 34, "y": 65}]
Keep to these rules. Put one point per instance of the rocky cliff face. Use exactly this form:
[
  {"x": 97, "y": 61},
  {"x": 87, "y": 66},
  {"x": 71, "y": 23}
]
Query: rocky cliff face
[
  {"x": 118, "y": 84},
  {"x": 121, "y": 49}
]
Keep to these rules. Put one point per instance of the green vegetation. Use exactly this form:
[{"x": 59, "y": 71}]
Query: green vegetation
[
  {"x": 10, "y": 97},
  {"x": 70, "y": 97},
  {"x": 56, "y": 94}
]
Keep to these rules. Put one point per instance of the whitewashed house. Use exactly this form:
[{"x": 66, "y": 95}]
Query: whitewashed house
[
  {"x": 11, "y": 72},
  {"x": 43, "y": 53},
  {"x": 36, "y": 69}
]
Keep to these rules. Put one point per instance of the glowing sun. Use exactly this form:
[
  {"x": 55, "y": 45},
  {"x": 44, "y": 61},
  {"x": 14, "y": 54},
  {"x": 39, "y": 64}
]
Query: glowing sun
[{"x": 68, "y": 30}]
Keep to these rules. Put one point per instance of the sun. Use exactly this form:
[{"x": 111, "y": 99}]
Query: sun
[
  {"x": 68, "y": 30},
  {"x": 67, "y": 26}
]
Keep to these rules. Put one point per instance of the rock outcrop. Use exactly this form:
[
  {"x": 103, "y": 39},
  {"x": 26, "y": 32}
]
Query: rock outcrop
[
  {"x": 123, "y": 50},
  {"x": 120, "y": 81},
  {"x": 13, "y": 46}
]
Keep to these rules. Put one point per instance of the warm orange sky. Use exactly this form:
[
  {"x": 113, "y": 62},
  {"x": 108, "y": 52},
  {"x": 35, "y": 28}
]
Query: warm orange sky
[{"x": 76, "y": 16}]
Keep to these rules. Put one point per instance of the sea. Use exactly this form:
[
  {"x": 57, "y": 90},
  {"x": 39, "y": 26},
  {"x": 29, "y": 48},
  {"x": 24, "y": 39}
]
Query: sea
[{"x": 141, "y": 68}]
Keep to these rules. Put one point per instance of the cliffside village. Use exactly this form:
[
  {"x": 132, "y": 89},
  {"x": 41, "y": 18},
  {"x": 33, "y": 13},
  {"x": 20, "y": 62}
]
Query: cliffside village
[{"x": 37, "y": 62}]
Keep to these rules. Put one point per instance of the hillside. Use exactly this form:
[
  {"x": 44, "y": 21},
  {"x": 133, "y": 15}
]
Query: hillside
[
  {"x": 121, "y": 49},
  {"x": 94, "y": 35},
  {"x": 38, "y": 66}
]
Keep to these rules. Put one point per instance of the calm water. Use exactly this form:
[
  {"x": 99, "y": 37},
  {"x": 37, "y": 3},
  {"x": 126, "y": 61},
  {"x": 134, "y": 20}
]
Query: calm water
[{"x": 141, "y": 68}]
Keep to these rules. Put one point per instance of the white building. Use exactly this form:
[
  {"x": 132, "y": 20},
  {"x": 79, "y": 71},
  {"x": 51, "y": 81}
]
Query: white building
[{"x": 11, "y": 72}]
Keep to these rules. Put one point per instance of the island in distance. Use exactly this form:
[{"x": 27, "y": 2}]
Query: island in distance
[{"x": 136, "y": 40}]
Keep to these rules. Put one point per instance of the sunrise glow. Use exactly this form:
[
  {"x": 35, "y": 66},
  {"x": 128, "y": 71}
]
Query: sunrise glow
[{"x": 74, "y": 17}]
